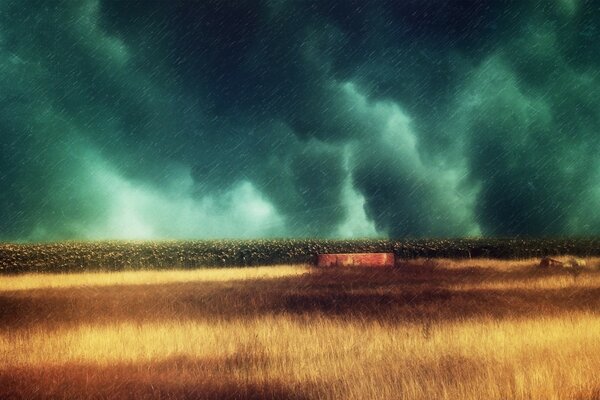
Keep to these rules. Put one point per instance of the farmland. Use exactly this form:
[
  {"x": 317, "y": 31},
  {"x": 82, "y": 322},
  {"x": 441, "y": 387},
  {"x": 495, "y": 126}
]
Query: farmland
[
  {"x": 124, "y": 255},
  {"x": 429, "y": 328}
]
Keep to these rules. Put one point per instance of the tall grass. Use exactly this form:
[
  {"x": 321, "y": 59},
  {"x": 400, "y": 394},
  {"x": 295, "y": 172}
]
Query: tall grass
[
  {"x": 209, "y": 340},
  {"x": 143, "y": 277}
]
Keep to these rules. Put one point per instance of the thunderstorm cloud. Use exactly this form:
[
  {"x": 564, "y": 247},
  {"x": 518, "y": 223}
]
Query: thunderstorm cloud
[{"x": 185, "y": 119}]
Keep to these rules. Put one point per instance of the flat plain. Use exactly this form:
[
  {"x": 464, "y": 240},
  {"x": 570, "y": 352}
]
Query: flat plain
[{"x": 427, "y": 329}]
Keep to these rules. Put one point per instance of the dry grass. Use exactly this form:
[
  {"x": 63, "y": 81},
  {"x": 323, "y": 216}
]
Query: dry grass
[
  {"x": 493, "y": 330},
  {"x": 144, "y": 277}
]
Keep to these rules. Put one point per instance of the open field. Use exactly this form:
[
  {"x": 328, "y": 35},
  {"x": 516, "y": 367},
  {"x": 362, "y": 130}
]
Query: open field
[{"x": 429, "y": 329}]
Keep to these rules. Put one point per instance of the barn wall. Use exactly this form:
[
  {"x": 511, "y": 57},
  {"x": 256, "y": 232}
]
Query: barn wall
[{"x": 356, "y": 259}]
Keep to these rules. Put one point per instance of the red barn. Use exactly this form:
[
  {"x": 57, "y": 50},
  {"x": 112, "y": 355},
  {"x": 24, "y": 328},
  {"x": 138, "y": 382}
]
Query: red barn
[{"x": 356, "y": 259}]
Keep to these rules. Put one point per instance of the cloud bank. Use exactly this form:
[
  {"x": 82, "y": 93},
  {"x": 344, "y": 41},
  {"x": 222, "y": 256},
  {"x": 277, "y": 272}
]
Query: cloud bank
[{"x": 153, "y": 119}]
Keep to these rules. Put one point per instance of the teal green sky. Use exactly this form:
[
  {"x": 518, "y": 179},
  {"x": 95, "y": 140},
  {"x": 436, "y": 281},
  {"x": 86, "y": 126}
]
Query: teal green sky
[{"x": 250, "y": 119}]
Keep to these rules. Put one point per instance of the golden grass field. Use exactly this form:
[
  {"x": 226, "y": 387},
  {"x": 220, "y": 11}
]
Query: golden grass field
[{"x": 443, "y": 329}]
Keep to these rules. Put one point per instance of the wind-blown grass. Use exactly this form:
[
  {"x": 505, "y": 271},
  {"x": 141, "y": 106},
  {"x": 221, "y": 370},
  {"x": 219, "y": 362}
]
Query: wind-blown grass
[
  {"x": 143, "y": 277},
  {"x": 497, "y": 330}
]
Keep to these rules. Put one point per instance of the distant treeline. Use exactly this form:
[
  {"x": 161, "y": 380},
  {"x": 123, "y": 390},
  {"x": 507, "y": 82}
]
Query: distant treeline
[{"x": 124, "y": 255}]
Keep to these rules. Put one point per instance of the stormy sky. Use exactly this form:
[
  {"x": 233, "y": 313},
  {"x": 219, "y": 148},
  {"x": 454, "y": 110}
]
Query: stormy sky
[{"x": 282, "y": 118}]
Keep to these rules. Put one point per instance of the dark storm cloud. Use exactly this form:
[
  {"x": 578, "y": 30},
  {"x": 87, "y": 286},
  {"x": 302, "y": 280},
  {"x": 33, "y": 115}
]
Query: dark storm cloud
[
  {"x": 534, "y": 133},
  {"x": 262, "y": 118}
]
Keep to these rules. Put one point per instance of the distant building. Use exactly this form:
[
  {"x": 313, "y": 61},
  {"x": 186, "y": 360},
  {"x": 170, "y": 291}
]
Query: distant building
[{"x": 356, "y": 259}]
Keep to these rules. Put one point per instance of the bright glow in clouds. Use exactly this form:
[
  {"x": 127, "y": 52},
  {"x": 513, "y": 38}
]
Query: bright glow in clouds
[
  {"x": 140, "y": 211},
  {"x": 356, "y": 224}
]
